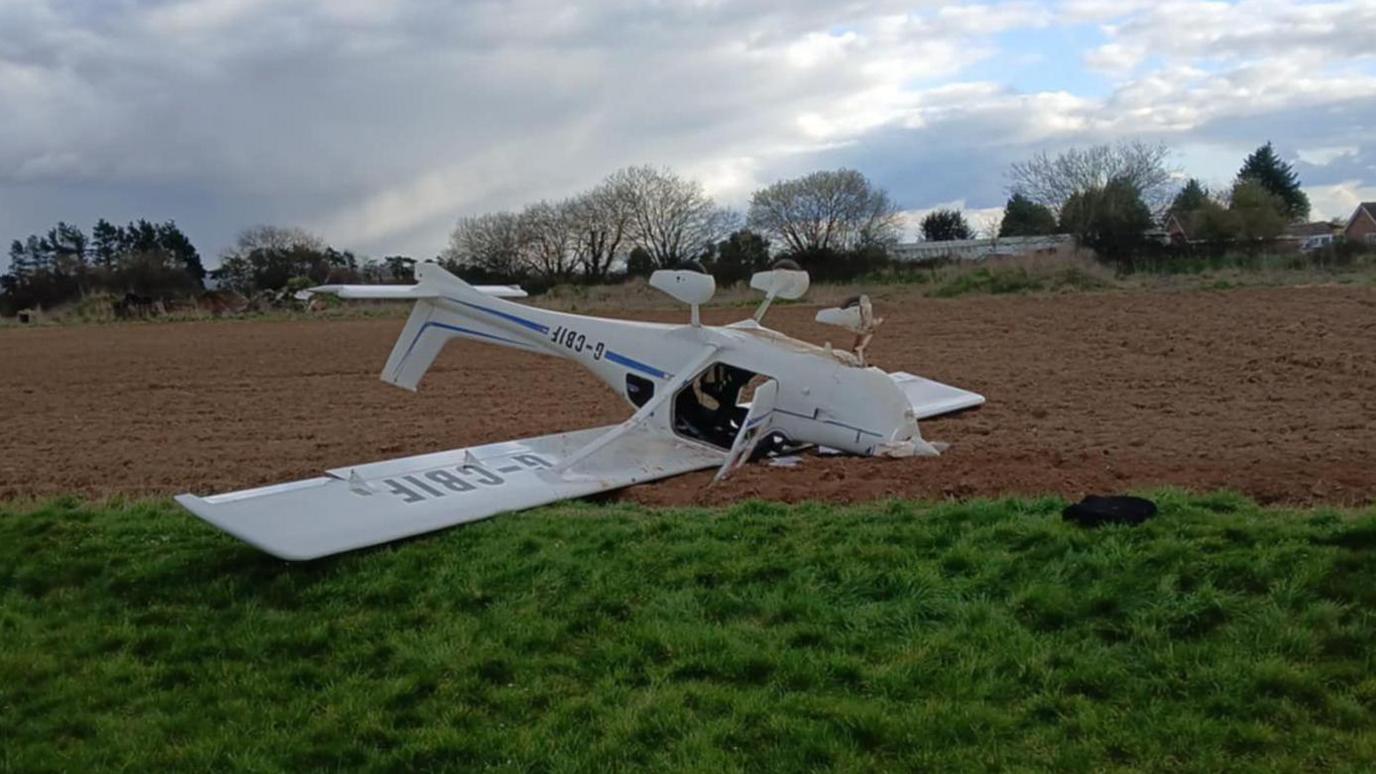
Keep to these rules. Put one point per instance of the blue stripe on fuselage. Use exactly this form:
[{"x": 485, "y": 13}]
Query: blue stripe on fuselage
[
  {"x": 456, "y": 329},
  {"x": 531, "y": 324},
  {"x": 615, "y": 357},
  {"x": 622, "y": 360}
]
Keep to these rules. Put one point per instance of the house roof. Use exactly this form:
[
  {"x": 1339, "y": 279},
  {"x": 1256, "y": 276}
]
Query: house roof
[
  {"x": 1186, "y": 222},
  {"x": 1365, "y": 207},
  {"x": 1317, "y": 228}
]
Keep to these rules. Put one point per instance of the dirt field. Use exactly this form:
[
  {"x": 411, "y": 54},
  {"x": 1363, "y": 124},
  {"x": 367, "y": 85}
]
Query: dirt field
[{"x": 1271, "y": 392}]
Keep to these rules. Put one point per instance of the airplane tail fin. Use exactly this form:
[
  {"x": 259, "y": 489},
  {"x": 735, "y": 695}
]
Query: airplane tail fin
[
  {"x": 420, "y": 341},
  {"x": 431, "y": 325}
]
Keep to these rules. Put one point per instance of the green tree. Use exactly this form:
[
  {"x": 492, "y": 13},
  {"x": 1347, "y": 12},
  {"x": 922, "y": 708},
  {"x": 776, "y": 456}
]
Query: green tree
[
  {"x": 1024, "y": 217},
  {"x": 1111, "y": 220},
  {"x": 39, "y": 255},
  {"x": 21, "y": 266},
  {"x": 1260, "y": 215},
  {"x": 1277, "y": 177},
  {"x": 1212, "y": 222},
  {"x": 68, "y": 246},
  {"x": 105, "y": 244},
  {"x": 944, "y": 226},
  {"x": 179, "y": 248},
  {"x": 139, "y": 237},
  {"x": 640, "y": 263},
  {"x": 739, "y": 256},
  {"x": 400, "y": 268},
  {"x": 1190, "y": 198},
  {"x": 267, "y": 257}
]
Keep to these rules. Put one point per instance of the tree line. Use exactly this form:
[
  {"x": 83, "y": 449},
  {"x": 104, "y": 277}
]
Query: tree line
[
  {"x": 276, "y": 259},
  {"x": 157, "y": 262},
  {"x": 142, "y": 258},
  {"x": 1112, "y": 197},
  {"x": 837, "y": 224},
  {"x": 643, "y": 218}
]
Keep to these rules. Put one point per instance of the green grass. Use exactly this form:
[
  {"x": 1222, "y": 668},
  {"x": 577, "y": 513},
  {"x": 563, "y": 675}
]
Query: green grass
[{"x": 761, "y": 637}]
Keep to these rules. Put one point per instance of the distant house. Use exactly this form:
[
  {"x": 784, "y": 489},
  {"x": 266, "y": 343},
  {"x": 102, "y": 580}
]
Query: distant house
[
  {"x": 1311, "y": 236},
  {"x": 1181, "y": 227},
  {"x": 1361, "y": 227},
  {"x": 979, "y": 249}
]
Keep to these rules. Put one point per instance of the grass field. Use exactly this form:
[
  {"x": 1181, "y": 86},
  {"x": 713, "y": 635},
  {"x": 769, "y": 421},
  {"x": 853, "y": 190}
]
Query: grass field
[{"x": 890, "y": 636}]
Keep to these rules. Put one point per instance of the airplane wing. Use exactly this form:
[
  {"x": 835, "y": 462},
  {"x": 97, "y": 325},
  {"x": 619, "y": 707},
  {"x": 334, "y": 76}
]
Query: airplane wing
[
  {"x": 403, "y": 292},
  {"x": 364, "y": 505},
  {"x": 930, "y": 398}
]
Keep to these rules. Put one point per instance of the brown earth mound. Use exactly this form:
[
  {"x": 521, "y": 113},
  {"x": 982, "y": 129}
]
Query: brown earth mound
[{"x": 1271, "y": 392}]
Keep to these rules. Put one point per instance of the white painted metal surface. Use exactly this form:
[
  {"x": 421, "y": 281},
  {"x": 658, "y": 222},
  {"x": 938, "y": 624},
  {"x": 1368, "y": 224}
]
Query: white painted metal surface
[
  {"x": 384, "y": 501},
  {"x": 932, "y": 399}
]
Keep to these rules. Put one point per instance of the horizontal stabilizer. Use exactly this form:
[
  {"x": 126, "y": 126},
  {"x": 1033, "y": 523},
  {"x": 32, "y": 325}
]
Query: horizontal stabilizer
[{"x": 404, "y": 292}]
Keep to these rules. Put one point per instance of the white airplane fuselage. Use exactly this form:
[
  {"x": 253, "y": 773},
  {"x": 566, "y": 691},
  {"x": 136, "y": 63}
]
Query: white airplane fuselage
[
  {"x": 689, "y": 384},
  {"x": 822, "y": 399}
]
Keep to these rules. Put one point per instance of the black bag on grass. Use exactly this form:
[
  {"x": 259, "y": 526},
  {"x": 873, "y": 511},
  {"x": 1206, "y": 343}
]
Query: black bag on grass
[{"x": 1096, "y": 511}]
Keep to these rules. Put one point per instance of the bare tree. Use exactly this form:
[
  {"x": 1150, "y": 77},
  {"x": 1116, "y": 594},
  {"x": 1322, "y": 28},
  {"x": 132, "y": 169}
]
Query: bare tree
[
  {"x": 490, "y": 244},
  {"x": 267, "y": 257},
  {"x": 671, "y": 218},
  {"x": 839, "y": 210},
  {"x": 1052, "y": 180},
  {"x": 548, "y": 241},
  {"x": 275, "y": 238},
  {"x": 602, "y": 220}
]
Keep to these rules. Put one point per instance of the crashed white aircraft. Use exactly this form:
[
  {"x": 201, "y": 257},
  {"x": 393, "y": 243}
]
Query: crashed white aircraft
[{"x": 704, "y": 396}]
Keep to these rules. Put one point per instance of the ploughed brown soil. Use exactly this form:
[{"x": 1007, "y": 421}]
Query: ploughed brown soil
[{"x": 1271, "y": 392}]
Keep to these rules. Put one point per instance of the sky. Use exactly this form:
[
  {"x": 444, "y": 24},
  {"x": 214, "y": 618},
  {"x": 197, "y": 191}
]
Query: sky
[{"x": 377, "y": 123}]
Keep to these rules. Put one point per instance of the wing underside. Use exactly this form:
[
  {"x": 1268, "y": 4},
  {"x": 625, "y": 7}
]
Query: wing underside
[
  {"x": 364, "y": 505},
  {"x": 405, "y": 292}
]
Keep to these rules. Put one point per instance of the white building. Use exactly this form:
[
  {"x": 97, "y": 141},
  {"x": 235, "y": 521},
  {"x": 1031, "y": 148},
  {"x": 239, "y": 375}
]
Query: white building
[{"x": 979, "y": 249}]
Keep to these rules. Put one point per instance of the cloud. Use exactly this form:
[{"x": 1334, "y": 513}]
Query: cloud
[
  {"x": 1115, "y": 58},
  {"x": 378, "y": 122},
  {"x": 1339, "y": 200},
  {"x": 1251, "y": 29},
  {"x": 1327, "y": 155},
  {"x": 986, "y": 19}
]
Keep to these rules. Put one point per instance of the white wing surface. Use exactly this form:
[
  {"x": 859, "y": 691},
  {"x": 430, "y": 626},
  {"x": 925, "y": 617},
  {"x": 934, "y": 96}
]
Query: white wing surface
[
  {"x": 365, "y": 505},
  {"x": 930, "y": 398},
  {"x": 404, "y": 292}
]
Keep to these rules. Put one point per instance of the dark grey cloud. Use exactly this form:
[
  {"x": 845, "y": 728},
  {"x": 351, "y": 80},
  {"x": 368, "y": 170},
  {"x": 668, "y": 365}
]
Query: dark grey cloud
[{"x": 378, "y": 122}]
